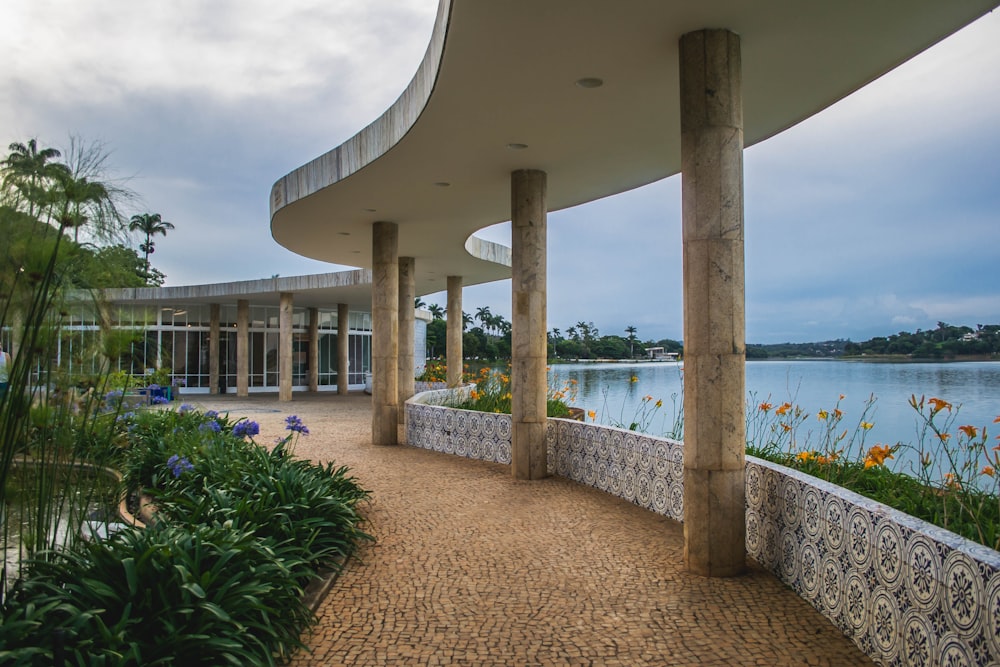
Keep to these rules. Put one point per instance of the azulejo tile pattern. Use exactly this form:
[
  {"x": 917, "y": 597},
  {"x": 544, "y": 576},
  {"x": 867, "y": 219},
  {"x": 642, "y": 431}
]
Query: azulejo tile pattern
[{"x": 907, "y": 593}]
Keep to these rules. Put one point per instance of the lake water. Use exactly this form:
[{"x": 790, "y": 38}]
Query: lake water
[{"x": 813, "y": 385}]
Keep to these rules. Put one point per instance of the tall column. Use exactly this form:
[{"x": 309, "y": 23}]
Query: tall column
[
  {"x": 407, "y": 296},
  {"x": 385, "y": 332},
  {"x": 214, "y": 344},
  {"x": 529, "y": 341},
  {"x": 312, "y": 360},
  {"x": 285, "y": 346},
  {"x": 242, "y": 347},
  {"x": 343, "y": 360},
  {"x": 714, "y": 320},
  {"x": 455, "y": 360}
]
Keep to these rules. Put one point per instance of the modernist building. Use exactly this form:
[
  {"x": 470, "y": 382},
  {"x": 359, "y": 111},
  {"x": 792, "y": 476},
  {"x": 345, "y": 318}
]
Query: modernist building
[
  {"x": 523, "y": 107},
  {"x": 304, "y": 333}
]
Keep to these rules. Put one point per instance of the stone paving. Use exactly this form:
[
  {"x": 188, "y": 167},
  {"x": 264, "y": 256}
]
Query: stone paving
[{"x": 474, "y": 568}]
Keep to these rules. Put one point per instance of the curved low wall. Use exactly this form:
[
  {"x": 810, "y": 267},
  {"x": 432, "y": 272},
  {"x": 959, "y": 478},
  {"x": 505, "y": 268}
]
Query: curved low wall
[{"x": 905, "y": 591}]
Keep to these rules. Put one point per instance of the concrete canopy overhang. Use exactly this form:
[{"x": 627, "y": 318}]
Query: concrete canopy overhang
[
  {"x": 324, "y": 290},
  {"x": 501, "y": 74}
]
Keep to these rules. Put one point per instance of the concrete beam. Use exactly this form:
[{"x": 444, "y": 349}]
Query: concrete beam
[{"x": 455, "y": 360}]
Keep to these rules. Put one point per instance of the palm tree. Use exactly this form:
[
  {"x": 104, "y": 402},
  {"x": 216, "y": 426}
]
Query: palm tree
[
  {"x": 466, "y": 320},
  {"x": 149, "y": 224},
  {"x": 630, "y": 330},
  {"x": 28, "y": 171},
  {"x": 485, "y": 317},
  {"x": 419, "y": 303},
  {"x": 437, "y": 312},
  {"x": 80, "y": 200}
]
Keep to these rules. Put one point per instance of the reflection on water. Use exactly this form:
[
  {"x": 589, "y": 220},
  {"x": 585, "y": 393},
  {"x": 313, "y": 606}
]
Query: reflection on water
[{"x": 814, "y": 385}]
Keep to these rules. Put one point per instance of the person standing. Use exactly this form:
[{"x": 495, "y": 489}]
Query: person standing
[{"x": 4, "y": 370}]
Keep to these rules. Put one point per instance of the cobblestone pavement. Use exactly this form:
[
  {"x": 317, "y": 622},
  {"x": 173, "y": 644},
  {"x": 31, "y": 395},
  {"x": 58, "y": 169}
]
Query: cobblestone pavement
[{"x": 474, "y": 568}]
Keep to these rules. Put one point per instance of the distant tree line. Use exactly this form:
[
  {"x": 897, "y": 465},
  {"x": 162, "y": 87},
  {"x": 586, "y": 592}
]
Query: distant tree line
[
  {"x": 944, "y": 342},
  {"x": 487, "y": 337}
]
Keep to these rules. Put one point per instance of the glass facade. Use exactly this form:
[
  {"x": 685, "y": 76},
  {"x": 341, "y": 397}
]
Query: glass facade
[{"x": 141, "y": 338}]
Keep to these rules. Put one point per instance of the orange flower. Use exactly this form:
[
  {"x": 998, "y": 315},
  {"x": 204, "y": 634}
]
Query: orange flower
[
  {"x": 970, "y": 431},
  {"x": 996, "y": 420},
  {"x": 592, "y": 415},
  {"x": 877, "y": 456},
  {"x": 659, "y": 403},
  {"x": 938, "y": 404},
  {"x": 765, "y": 407},
  {"x": 805, "y": 457},
  {"x": 822, "y": 415},
  {"x": 867, "y": 426},
  {"x": 633, "y": 379},
  {"x": 988, "y": 470},
  {"x": 837, "y": 414},
  {"x": 783, "y": 409},
  {"x": 786, "y": 427},
  {"x": 944, "y": 436}
]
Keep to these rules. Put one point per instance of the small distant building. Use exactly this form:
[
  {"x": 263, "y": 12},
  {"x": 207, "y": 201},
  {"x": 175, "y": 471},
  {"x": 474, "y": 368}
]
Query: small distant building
[{"x": 657, "y": 354}]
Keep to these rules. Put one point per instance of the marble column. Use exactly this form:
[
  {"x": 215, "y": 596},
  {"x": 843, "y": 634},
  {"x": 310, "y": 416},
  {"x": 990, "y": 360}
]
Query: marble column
[
  {"x": 407, "y": 296},
  {"x": 385, "y": 333},
  {"x": 242, "y": 347},
  {"x": 456, "y": 328},
  {"x": 285, "y": 300},
  {"x": 529, "y": 340},
  {"x": 214, "y": 345},
  {"x": 714, "y": 320},
  {"x": 313, "y": 357},
  {"x": 343, "y": 360}
]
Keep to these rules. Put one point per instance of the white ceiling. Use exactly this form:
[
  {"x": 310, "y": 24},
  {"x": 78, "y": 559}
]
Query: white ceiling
[{"x": 505, "y": 71}]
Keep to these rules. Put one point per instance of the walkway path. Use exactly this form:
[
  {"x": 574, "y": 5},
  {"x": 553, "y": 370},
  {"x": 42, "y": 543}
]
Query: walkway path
[{"x": 474, "y": 568}]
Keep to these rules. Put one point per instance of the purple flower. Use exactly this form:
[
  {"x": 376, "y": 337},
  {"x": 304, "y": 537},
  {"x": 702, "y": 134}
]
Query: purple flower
[
  {"x": 179, "y": 465},
  {"x": 185, "y": 407},
  {"x": 293, "y": 423},
  {"x": 210, "y": 426},
  {"x": 246, "y": 428},
  {"x": 159, "y": 400},
  {"x": 212, "y": 414}
]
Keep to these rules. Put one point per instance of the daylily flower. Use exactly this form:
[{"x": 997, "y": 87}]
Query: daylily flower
[{"x": 970, "y": 431}]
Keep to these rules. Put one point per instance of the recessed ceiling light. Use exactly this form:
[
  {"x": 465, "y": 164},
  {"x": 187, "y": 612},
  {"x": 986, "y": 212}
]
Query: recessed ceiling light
[
  {"x": 590, "y": 82},
  {"x": 442, "y": 184},
  {"x": 517, "y": 147}
]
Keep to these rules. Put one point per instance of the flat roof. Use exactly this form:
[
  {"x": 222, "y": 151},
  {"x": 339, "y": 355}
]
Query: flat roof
[{"x": 498, "y": 90}]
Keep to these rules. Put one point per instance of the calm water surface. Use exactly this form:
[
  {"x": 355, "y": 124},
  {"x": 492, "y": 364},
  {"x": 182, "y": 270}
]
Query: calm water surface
[{"x": 813, "y": 385}]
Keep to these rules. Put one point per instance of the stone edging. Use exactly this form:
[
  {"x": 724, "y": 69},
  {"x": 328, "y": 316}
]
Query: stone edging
[{"x": 905, "y": 591}]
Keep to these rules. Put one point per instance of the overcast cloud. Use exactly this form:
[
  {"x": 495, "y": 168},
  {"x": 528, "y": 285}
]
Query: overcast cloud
[{"x": 878, "y": 215}]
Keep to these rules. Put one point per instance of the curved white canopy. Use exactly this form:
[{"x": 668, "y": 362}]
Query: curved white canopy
[{"x": 499, "y": 75}]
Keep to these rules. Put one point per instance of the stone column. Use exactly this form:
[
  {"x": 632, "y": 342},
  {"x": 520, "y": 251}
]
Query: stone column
[
  {"x": 285, "y": 346},
  {"x": 343, "y": 360},
  {"x": 529, "y": 339},
  {"x": 313, "y": 358},
  {"x": 214, "y": 345},
  {"x": 455, "y": 359},
  {"x": 242, "y": 347},
  {"x": 385, "y": 333},
  {"x": 407, "y": 295},
  {"x": 714, "y": 321}
]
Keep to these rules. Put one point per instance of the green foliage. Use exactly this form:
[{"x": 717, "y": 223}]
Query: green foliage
[
  {"x": 189, "y": 595},
  {"x": 492, "y": 394},
  {"x": 217, "y": 578},
  {"x": 954, "y": 485},
  {"x": 944, "y": 342}
]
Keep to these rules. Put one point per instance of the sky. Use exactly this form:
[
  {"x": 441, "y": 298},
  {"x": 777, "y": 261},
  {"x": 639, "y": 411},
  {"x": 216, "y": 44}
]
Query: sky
[{"x": 880, "y": 214}]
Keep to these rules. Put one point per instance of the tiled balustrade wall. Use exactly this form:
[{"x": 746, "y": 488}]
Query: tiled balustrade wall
[{"x": 906, "y": 592}]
